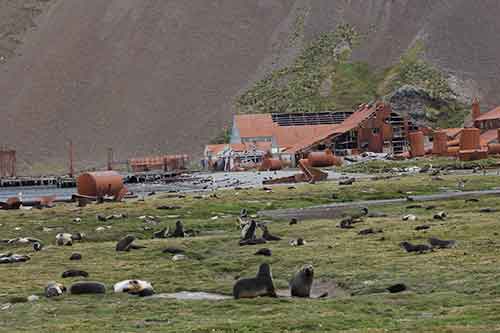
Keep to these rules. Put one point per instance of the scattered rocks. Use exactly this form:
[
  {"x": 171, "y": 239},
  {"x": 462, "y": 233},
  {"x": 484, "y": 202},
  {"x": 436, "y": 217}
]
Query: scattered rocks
[
  {"x": 179, "y": 257},
  {"x": 409, "y": 217},
  {"x": 348, "y": 181}
]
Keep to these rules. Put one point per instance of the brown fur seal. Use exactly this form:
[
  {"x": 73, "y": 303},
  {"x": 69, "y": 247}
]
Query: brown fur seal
[
  {"x": 125, "y": 243},
  {"x": 261, "y": 285},
  {"x": 301, "y": 282},
  {"x": 179, "y": 230},
  {"x": 79, "y": 288}
]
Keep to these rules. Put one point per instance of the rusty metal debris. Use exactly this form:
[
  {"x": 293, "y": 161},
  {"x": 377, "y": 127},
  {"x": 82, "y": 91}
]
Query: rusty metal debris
[
  {"x": 7, "y": 163},
  {"x": 100, "y": 185}
]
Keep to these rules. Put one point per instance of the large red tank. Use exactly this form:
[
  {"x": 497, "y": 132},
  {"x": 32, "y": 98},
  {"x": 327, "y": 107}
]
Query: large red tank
[
  {"x": 470, "y": 139},
  {"x": 270, "y": 164},
  {"x": 417, "y": 148},
  {"x": 323, "y": 159},
  {"x": 101, "y": 183}
]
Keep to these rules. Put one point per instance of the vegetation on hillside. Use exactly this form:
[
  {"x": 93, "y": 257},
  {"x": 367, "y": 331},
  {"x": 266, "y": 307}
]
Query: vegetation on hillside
[{"x": 324, "y": 78}]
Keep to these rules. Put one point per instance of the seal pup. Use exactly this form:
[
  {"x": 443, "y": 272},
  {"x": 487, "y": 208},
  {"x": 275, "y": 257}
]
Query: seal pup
[
  {"x": 84, "y": 287},
  {"x": 173, "y": 250},
  {"x": 134, "y": 287},
  {"x": 261, "y": 285},
  {"x": 37, "y": 246},
  {"x": 75, "y": 273},
  {"x": 125, "y": 243},
  {"x": 300, "y": 285},
  {"x": 163, "y": 233},
  {"x": 297, "y": 242},
  {"x": 267, "y": 235},
  {"x": 397, "y": 288},
  {"x": 54, "y": 289}
]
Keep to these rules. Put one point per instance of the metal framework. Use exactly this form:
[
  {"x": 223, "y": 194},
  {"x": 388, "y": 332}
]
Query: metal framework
[{"x": 7, "y": 163}]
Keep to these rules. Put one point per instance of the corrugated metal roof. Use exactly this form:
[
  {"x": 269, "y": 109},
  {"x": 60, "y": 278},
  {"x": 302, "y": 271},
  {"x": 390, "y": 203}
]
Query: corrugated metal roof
[
  {"x": 350, "y": 123},
  {"x": 254, "y": 125},
  {"x": 493, "y": 114},
  {"x": 238, "y": 147}
]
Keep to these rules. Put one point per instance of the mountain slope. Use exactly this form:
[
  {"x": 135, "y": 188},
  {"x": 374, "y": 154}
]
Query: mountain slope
[{"x": 147, "y": 76}]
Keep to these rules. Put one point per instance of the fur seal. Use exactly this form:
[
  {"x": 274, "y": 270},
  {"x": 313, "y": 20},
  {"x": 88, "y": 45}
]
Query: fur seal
[
  {"x": 419, "y": 248},
  {"x": 125, "y": 243},
  {"x": 54, "y": 289},
  {"x": 397, "y": 288},
  {"x": 64, "y": 239},
  {"x": 263, "y": 252},
  {"x": 441, "y": 216},
  {"x": 369, "y": 231},
  {"x": 300, "y": 285},
  {"x": 267, "y": 235},
  {"x": 441, "y": 244},
  {"x": 173, "y": 250},
  {"x": 37, "y": 246},
  {"x": 409, "y": 217},
  {"x": 75, "y": 273},
  {"x": 85, "y": 287},
  {"x": 297, "y": 242},
  {"x": 10, "y": 258},
  {"x": 163, "y": 233},
  {"x": 75, "y": 256},
  {"x": 261, "y": 285},
  {"x": 293, "y": 221},
  {"x": 179, "y": 230},
  {"x": 134, "y": 287}
]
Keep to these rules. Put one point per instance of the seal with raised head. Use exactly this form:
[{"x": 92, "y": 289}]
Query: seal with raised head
[
  {"x": 179, "y": 230},
  {"x": 125, "y": 243},
  {"x": 261, "y": 285},
  {"x": 300, "y": 285}
]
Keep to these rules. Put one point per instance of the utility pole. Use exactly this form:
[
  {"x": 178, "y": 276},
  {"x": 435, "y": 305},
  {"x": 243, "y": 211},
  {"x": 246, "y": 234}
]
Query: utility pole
[
  {"x": 71, "y": 170},
  {"x": 110, "y": 159}
]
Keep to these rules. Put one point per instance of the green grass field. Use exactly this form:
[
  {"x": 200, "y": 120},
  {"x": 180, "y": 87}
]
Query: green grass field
[{"x": 452, "y": 290}]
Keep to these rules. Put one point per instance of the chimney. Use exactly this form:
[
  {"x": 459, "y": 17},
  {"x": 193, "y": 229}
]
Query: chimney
[{"x": 476, "y": 110}]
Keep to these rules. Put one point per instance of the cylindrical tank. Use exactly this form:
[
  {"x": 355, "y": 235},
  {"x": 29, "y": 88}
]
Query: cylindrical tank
[
  {"x": 453, "y": 143},
  {"x": 100, "y": 183},
  {"x": 452, "y": 151},
  {"x": 416, "y": 144},
  {"x": 470, "y": 139},
  {"x": 439, "y": 144},
  {"x": 494, "y": 148},
  {"x": 323, "y": 159},
  {"x": 271, "y": 164}
]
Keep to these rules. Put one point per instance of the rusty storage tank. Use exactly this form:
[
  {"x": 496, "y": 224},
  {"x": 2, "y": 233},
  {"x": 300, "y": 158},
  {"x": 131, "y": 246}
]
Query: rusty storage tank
[
  {"x": 417, "y": 148},
  {"x": 452, "y": 151},
  {"x": 99, "y": 184},
  {"x": 439, "y": 144},
  {"x": 470, "y": 139},
  {"x": 323, "y": 159},
  {"x": 271, "y": 164}
]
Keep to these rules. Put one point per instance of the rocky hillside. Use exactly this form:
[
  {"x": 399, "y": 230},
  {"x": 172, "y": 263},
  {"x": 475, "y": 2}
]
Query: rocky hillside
[{"x": 148, "y": 76}]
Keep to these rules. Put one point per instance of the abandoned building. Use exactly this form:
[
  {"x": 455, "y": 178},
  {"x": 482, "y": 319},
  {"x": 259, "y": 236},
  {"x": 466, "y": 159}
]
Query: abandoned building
[
  {"x": 290, "y": 137},
  {"x": 7, "y": 163}
]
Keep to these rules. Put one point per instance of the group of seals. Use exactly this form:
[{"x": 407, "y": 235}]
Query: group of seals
[
  {"x": 435, "y": 243},
  {"x": 262, "y": 283}
]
